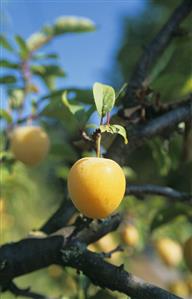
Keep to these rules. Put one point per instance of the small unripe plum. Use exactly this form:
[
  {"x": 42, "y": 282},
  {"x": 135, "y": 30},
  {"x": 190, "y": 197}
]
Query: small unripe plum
[
  {"x": 187, "y": 250},
  {"x": 130, "y": 235},
  {"x": 96, "y": 186},
  {"x": 170, "y": 251},
  {"x": 29, "y": 144}
]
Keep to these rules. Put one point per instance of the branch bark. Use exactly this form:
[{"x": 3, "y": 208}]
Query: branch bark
[
  {"x": 109, "y": 276},
  {"x": 141, "y": 190},
  {"x": 60, "y": 218},
  {"x": 155, "y": 127},
  {"x": 32, "y": 254}
]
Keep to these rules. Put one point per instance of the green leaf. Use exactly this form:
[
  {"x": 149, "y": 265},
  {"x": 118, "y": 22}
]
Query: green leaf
[
  {"x": 77, "y": 109},
  {"x": 62, "y": 172},
  {"x": 79, "y": 95},
  {"x": 47, "y": 70},
  {"x": 9, "y": 79},
  {"x": 44, "y": 56},
  {"x": 16, "y": 98},
  {"x": 24, "y": 51},
  {"x": 4, "y": 114},
  {"x": 56, "y": 110},
  {"x": 169, "y": 213},
  {"x": 50, "y": 81},
  {"x": 121, "y": 93},
  {"x": 104, "y": 96},
  {"x": 64, "y": 151},
  {"x": 160, "y": 153},
  {"x": 72, "y": 25},
  {"x": 115, "y": 129},
  {"x": 37, "y": 40},
  {"x": 7, "y": 64},
  {"x": 5, "y": 44},
  {"x": 162, "y": 63}
]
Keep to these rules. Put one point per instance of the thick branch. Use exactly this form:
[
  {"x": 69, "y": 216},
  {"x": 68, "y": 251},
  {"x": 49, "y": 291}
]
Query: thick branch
[
  {"x": 141, "y": 190},
  {"x": 109, "y": 276},
  {"x": 60, "y": 218},
  {"x": 24, "y": 256},
  {"x": 28, "y": 255},
  {"x": 98, "y": 228},
  {"x": 154, "y": 49},
  {"x": 155, "y": 127},
  {"x": 34, "y": 253}
]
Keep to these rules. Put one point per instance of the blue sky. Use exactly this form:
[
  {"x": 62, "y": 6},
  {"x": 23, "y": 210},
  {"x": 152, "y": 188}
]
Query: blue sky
[{"x": 85, "y": 57}]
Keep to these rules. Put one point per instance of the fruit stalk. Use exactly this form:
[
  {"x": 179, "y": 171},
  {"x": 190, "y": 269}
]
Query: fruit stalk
[{"x": 98, "y": 144}]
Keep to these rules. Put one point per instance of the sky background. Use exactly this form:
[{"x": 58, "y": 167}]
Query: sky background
[{"x": 85, "y": 57}]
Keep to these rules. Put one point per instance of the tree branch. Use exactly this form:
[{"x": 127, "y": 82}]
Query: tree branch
[
  {"x": 34, "y": 253},
  {"x": 155, "y": 127},
  {"x": 154, "y": 49},
  {"x": 60, "y": 218},
  {"x": 140, "y": 190},
  {"x": 112, "y": 277},
  {"x": 28, "y": 255}
]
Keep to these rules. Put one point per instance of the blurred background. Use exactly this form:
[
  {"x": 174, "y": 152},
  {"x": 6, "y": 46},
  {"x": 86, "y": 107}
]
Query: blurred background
[{"x": 42, "y": 55}]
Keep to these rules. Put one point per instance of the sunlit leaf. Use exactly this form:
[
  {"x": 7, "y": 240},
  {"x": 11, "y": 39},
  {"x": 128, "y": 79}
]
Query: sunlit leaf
[
  {"x": 77, "y": 109},
  {"x": 37, "y": 40},
  {"x": 115, "y": 129},
  {"x": 72, "y": 24},
  {"x": 104, "y": 96}
]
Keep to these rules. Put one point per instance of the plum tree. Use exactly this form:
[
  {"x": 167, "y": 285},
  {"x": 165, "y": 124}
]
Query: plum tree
[{"x": 151, "y": 105}]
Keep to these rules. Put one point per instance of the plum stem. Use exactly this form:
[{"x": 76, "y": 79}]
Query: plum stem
[
  {"x": 98, "y": 144},
  {"x": 108, "y": 118}
]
